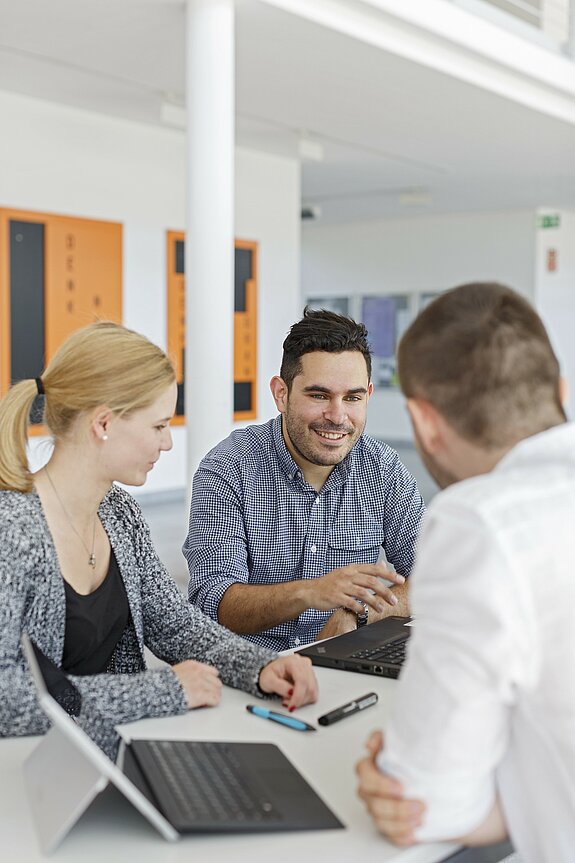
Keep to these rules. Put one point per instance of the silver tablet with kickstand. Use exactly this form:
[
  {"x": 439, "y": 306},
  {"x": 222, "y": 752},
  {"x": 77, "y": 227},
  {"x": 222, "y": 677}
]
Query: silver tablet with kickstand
[{"x": 179, "y": 786}]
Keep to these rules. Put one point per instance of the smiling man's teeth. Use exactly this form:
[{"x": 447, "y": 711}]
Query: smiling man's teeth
[{"x": 331, "y": 435}]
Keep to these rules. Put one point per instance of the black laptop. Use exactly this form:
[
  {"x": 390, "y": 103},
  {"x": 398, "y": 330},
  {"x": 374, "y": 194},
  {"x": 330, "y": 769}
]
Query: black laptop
[
  {"x": 378, "y": 648},
  {"x": 180, "y": 786}
]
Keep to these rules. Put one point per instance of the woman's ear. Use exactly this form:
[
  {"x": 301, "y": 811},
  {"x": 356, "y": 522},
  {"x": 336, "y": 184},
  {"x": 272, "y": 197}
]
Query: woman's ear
[{"x": 100, "y": 422}]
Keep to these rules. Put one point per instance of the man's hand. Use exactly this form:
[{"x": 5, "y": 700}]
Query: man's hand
[
  {"x": 201, "y": 683},
  {"x": 292, "y": 678},
  {"x": 344, "y": 586},
  {"x": 394, "y": 816},
  {"x": 343, "y": 620},
  {"x": 339, "y": 622}
]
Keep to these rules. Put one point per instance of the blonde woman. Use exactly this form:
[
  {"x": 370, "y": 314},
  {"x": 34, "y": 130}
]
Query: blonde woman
[{"x": 78, "y": 571}]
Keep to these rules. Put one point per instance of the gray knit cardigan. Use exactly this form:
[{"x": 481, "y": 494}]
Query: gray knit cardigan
[{"x": 32, "y": 600}]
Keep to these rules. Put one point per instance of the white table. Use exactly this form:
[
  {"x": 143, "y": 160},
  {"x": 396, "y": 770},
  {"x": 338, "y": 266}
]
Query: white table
[{"x": 111, "y": 832}]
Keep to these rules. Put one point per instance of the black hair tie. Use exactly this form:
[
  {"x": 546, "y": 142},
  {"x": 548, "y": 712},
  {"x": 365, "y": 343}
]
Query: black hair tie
[{"x": 40, "y": 386}]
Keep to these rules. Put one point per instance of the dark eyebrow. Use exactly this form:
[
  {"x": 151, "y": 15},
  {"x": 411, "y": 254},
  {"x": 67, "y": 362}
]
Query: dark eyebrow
[{"x": 320, "y": 389}]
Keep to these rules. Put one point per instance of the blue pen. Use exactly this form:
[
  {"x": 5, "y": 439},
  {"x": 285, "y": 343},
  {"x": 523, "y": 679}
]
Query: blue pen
[{"x": 282, "y": 718}]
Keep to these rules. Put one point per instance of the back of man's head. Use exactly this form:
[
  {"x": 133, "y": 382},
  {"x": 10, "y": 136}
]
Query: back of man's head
[
  {"x": 481, "y": 356},
  {"x": 321, "y": 330}
]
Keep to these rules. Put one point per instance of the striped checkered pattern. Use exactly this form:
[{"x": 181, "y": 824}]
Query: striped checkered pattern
[{"x": 254, "y": 520}]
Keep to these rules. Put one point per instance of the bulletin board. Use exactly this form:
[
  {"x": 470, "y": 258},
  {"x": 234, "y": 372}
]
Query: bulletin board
[
  {"x": 57, "y": 274},
  {"x": 245, "y": 323},
  {"x": 386, "y": 318}
]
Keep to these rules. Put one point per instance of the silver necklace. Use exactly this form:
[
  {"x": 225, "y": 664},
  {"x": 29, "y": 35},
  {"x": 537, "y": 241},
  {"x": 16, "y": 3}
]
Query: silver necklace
[{"x": 91, "y": 555}]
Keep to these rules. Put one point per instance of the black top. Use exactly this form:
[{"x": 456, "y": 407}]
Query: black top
[{"x": 95, "y": 623}]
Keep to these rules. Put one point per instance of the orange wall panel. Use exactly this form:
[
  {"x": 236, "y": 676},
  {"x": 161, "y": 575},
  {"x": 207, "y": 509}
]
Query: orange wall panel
[
  {"x": 245, "y": 323},
  {"x": 176, "y": 306},
  {"x": 83, "y": 276},
  {"x": 82, "y": 279}
]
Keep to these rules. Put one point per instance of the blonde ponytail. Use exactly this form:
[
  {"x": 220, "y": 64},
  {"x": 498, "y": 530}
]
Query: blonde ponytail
[{"x": 15, "y": 410}]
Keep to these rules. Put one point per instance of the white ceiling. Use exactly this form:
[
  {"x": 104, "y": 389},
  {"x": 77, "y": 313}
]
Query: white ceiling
[{"x": 398, "y": 138}]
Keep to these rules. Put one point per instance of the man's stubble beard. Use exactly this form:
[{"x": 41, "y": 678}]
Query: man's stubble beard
[{"x": 300, "y": 442}]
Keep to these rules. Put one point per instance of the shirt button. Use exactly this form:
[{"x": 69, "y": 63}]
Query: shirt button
[
  {"x": 317, "y": 499},
  {"x": 296, "y": 641},
  {"x": 313, "y": 549}
]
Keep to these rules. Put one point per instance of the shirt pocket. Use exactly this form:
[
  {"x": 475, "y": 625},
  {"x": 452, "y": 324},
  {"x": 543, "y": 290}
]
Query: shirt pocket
[{"x": 355, "y": 545}]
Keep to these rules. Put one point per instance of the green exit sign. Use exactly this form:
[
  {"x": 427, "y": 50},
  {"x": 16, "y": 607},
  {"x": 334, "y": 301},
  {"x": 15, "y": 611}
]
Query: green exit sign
[{"x": 549, "y": 220}]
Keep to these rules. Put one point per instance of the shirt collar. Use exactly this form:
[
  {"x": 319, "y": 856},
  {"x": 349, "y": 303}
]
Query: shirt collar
[
  {"x": 557, "y": 443},
  {"x": 286, "y": 462},
  {"x": 290, "y": 468}
]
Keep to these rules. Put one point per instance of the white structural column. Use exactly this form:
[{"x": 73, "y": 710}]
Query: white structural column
[{"x": 210, "y": 78}]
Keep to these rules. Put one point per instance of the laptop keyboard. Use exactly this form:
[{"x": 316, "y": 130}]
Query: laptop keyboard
[
  {"x": 207, "y": 783},
  {"x": 392, "y": 653}
]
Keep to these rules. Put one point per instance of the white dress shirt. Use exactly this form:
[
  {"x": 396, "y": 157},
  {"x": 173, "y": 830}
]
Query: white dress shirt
[{"x": 486, "y": 700}]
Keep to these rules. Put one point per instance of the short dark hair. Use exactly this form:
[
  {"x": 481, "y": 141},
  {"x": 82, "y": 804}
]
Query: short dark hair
[
  {"x": 321, "y": 330},
  {"x": 481, "y": 355}
]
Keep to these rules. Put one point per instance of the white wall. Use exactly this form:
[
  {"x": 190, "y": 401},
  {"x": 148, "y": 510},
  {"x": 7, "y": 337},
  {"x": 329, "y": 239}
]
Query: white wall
[
  {"x": 62, "y": 160},
  {"x": 555, "y": 291},
  {"x": 416, "y": 255}
]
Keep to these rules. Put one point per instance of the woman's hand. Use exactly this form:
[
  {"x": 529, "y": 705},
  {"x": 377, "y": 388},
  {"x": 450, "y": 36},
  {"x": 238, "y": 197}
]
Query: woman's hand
[
  {"x": 292, "y": 678},
  {"x": 201, "y": 683}
]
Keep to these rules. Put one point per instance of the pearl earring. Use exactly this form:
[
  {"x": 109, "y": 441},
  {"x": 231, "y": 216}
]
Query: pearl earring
[{"x": 104, "y": 437}]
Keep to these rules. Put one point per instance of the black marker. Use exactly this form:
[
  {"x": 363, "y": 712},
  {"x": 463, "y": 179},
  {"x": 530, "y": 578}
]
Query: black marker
[{"x": 348, "y": 709}]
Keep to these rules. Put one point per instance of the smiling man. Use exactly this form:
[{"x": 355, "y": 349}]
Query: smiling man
[{"x": 290, "y": 520}]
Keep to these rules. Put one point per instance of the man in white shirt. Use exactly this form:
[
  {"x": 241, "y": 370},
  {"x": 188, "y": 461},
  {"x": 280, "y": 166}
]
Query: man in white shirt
[{"x": 481, "y": 742}]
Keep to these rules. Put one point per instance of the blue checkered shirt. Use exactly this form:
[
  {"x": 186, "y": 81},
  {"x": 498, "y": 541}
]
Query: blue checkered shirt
[{"x": 255, "y": 520}]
